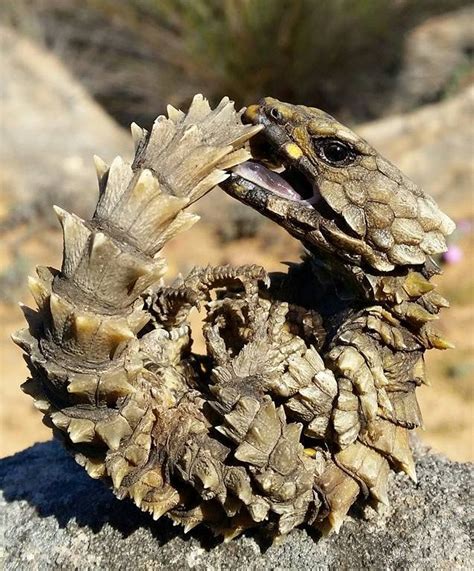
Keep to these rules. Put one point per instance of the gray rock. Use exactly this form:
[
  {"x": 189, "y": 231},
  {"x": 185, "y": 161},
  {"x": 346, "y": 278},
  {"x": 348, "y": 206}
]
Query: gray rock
[{"x": 55, "y": 517}]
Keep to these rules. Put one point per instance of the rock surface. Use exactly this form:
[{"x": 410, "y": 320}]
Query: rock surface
[
  {"x": 50, "y": 129},
  {"x": 55, "y": 517}
]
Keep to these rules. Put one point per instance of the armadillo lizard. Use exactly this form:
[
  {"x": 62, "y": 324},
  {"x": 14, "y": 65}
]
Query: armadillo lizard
[{"x": 304, "y": 399}]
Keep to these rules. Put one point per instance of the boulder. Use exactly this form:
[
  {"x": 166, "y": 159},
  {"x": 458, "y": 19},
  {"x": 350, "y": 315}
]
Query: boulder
[
  {"x": 50, "y": 130},
  {"x": 56, "y": 517}
]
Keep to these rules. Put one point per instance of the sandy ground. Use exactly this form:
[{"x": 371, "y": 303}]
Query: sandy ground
[{"x": 447, "y": 405}]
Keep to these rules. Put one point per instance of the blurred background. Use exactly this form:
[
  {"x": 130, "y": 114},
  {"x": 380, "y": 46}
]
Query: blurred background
[{"x": 75, "y": 73}]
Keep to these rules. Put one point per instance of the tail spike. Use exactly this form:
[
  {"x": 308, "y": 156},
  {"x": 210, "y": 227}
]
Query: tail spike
[
  {"x": 75, "y": 236},
  {"x": 81, "y": 430},
  {"x": 174, "y": 114},
  {"x": 111, "y": 431},
  {"x": 95, "y": 468},
  {"x": 60, "y": 420},
  {"x": 42, "y": 405},
  {"x": 118, "y": 468},
  {"x": 84, "y": 386},
  {"x": 101, "y": 169},
  {"x": 38, "y": 290},
  {"x": 138, "y": 134},
  {"x": 147, "y": 183},
  {"x": 158, "y": 511}
]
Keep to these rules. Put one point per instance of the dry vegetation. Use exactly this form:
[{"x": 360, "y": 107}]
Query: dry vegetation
[{"x": 135, "y": 56}]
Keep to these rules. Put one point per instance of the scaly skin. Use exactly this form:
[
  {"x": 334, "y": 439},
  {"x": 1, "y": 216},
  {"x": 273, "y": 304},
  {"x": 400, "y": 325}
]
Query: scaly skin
[
  {"x": 198, "y": 438},
  {"x": 369, "y": 233},
  {"x": 306, "y": 392}
]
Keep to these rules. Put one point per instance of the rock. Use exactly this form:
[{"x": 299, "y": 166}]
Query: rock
[
  {"x": 50, "y": 130},
  {"x": 433, "y": 146},
  {"x": 437, "y": 58},
  {"x": 56, "y": 517}
]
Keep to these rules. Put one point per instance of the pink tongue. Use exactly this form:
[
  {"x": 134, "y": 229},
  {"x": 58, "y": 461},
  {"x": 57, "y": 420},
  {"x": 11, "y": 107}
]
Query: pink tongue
[{"x": 257, "y": 173}]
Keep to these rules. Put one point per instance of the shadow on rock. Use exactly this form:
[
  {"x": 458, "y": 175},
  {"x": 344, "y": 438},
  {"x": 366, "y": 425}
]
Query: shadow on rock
[
  {"x": 46, "y": 477},
  {"x": 51, "y": 482},
  {"x": 46, "y": 497}
]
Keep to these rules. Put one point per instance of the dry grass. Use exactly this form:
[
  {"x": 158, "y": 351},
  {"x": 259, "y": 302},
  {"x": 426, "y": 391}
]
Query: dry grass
[{"x": 137, "y": 55}]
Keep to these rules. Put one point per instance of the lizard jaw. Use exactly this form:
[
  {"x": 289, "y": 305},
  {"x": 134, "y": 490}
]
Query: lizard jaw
[
  {"x": 287, "y": 183},
  {"x": 272, "y": 169}
]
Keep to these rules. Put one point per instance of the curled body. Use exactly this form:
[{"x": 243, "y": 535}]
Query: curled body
[
  {"x": 305, "y": 396},
  {"x": 370, "y": 234}
]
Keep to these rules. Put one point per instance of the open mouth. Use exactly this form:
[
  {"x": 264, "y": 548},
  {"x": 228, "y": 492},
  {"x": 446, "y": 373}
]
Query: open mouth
[
  {"x": 272, "y": 174},
  {"x": 287, "y": 182}
]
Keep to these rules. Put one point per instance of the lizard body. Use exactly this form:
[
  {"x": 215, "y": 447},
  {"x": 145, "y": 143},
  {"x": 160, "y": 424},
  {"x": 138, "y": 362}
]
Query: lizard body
[
  {"x": 303, "y": 400},
  {"x": 369, "y": 234}
]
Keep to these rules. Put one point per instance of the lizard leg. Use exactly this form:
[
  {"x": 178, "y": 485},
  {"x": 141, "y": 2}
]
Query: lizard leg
[
  {"x": 377, "y": 369},
  {"x": 170, "y": 306}
]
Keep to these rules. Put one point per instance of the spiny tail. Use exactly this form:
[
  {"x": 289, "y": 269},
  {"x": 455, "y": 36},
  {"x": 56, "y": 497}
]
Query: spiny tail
[{"x": 81, "y": 343}]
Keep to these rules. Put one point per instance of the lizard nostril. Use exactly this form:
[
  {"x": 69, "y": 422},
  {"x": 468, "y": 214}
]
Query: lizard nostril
[{"x": 275, "y": 114}]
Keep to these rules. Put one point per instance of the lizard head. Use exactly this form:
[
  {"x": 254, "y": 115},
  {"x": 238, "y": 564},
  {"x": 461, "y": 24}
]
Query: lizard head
[{"x": 329, "y": 188}]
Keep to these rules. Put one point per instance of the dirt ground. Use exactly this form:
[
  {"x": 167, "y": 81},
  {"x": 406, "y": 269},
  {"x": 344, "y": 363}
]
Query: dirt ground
[{"x": 447, "y": 405}]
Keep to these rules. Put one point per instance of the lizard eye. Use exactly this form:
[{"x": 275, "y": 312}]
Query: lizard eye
[{"x": 334, "y": 152}]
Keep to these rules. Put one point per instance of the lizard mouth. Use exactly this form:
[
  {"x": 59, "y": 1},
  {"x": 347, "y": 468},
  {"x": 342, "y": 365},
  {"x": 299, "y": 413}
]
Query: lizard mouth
[
  {"x": 283, "y": 181},
  {"x": 272, "y": 171}
]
